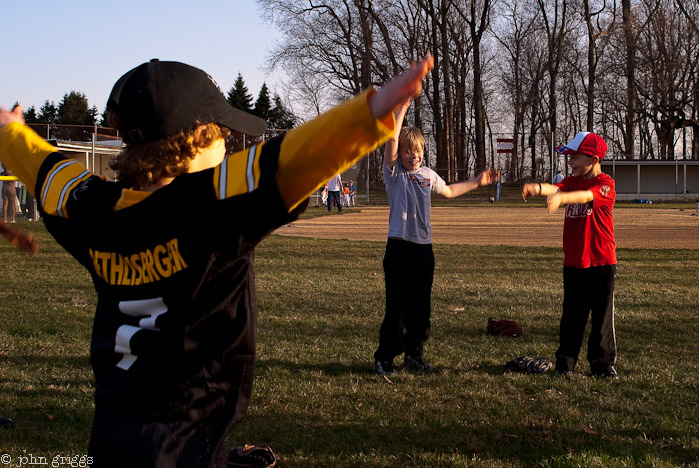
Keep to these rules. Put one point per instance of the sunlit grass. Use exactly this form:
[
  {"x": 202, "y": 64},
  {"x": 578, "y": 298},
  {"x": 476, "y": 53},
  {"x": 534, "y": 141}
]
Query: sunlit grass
[{"x": 316, "y": 400}]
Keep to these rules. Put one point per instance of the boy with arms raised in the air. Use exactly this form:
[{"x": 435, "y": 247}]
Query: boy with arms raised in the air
[
  {"x": 589, "y": 248},
  {"x": 173, "y": 343},
  {"x": 409, "y": 261}
]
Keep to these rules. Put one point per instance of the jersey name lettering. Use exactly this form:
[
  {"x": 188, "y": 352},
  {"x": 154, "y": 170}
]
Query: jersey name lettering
[
  {"x": 578, "y": 210},
  {"x": 144, "y": 267}
]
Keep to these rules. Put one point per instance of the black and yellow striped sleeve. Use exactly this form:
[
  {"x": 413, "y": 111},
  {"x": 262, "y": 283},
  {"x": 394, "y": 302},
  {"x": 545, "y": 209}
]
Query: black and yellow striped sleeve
[
  {"x": 314, "y": 152},
  {"x": 238, "y": 174},
  {"x": 23, "y": 152},
  {"x": 63, "y": 177}
]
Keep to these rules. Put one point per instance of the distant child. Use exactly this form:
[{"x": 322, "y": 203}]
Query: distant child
[
  {"x": 334, "y": 190},
  {"x": 409, "y": 261},
  {"x": 558, "y": 178},
  {"x": 170, "y": 247},
  {"x": 346, "y": 196},
  {"x": 9, "y": 196},
  {"x": 589, "y": 248},
  {"x": 324, "y": 195},
  {"x": 352, "y": 190}
]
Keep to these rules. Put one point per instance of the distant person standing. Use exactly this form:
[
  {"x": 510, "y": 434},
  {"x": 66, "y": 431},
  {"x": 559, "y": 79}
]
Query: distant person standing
[
  {"x": 352, "y": 190},
  {"x": 334, "y": 189},
  {"x": 9, "y": 197},
  {"x": 324, "y": 195},
  {"x": 346, "y": 197},
  {"x": 558, "y": 178}
]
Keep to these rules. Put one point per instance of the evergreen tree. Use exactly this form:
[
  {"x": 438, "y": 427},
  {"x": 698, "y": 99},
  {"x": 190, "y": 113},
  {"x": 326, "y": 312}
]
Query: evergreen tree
[
  {"x": 238, "y": 95},
  {"x": 263, "y": 105},
  {"x": 30, "y": 115},
  {"x": 280, "y": 116},
  {"x": 48, "y": 113},
  {"x": 74, "y": 110}
]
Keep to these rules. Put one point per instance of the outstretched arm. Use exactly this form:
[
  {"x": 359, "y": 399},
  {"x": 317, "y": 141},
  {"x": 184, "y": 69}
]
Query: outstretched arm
[
  {"x": 21, "y": 149},
  {"x": 312, "y": 153},
  {"x": 538, "y": 189},
  {"x": 390, "y": 151},
  {"x": 481, "y": 180},
  {"x": 559, "y": 198},
  {"x": 554, "y": 197},
  {"x": 400, "y": 89}
]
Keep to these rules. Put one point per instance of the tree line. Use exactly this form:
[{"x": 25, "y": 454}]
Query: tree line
[
  {"x": 63, "y": 120},
  {"x": 533, "y": 71}
]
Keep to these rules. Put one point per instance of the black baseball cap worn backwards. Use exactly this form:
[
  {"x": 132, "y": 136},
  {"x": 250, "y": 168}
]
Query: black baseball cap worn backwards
[{"x": 159, "y": 99}]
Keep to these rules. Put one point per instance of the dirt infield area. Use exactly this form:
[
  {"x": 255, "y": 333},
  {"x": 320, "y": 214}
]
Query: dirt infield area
[{"x": 655, "y": 228}]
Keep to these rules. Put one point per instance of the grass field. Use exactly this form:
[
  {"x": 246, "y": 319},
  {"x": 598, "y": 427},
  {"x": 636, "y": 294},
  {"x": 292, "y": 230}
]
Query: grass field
[{"x": 316, "y": 401}]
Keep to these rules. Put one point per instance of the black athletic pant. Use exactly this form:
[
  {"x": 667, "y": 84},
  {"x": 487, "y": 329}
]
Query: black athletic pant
[
  {"x": 588, "y": 291},
  {"x": 334, "y": 199},
  {"x": 408, "y": 271}
]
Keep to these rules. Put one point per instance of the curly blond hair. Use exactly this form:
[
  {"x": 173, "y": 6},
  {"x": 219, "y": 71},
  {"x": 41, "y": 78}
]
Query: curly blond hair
[{"x": 142, "y": 164}]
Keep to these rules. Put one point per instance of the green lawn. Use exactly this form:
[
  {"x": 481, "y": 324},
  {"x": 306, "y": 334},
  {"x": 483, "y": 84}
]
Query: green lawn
[{"x": 316, "y": 400}]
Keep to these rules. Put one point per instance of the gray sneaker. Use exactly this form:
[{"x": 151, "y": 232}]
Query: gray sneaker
[
  {"x": 607, "y": 374},
  {"x": 417, "y": 363},
  {"x": 384, "y": 368}
]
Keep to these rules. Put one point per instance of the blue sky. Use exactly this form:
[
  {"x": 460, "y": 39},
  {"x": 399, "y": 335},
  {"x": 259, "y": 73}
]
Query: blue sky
[{"x": 52, "y": 47}]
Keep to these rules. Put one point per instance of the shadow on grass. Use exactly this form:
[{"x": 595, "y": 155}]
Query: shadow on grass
[{"x": 387, "y": 440}]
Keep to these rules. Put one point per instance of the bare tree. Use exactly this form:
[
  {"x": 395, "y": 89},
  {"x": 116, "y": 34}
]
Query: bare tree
[
  {"x": 554, "y": 16},
  {"x": 667, "y": 62},
  {"x": 477, "y": 18},
  {"x": 630, "y": 69},
  {"x": 598, "y": 27},
  {"x": 516, "y": 34}
]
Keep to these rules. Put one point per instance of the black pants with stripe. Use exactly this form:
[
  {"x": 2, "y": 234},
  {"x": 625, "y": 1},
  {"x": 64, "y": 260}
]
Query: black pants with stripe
[
  {"x": 588, "y": 291},
  {"x": 409, "y": 272}
]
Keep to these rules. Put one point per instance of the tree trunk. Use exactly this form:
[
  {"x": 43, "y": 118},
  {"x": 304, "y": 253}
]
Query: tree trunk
[
  {"x": 631, "y": 97},
  {"x": 448, "y": 99}
]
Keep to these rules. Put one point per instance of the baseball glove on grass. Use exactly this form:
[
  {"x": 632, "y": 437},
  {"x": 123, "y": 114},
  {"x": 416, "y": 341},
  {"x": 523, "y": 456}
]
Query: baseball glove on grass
[
  {"x": 529, "y": 365},
  {"x": 505, "y": 328},
  {"x": 251, "y": 456}
]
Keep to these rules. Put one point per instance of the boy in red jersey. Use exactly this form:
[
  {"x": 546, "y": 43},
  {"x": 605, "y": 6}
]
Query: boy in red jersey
[{"x": 589, "y": 248}]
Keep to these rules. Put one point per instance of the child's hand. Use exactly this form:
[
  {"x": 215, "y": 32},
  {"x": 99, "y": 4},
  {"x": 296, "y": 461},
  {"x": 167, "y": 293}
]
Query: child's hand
[
  {"x": 400, "y": 89},
  {"x": 15, "y": 115},
  {"x": 20, "y": 239},
  {"x": 553, "y": 201},
  {"x": 530, "y": 189},
  {"x": 487, "y": 177}
]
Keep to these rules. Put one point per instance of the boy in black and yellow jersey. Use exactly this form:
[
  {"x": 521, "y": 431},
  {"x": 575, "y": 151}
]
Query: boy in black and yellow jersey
[{"x": 170, "y": 247}]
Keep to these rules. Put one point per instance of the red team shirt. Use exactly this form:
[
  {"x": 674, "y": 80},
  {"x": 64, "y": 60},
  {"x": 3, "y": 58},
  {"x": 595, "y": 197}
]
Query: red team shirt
[{"x": 588, "y": 228}]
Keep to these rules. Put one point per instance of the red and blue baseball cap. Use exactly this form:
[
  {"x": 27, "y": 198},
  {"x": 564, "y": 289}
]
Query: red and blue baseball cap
[
  {"x": 159, "y": 99},
  {"x": 587, "y": 143}
]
